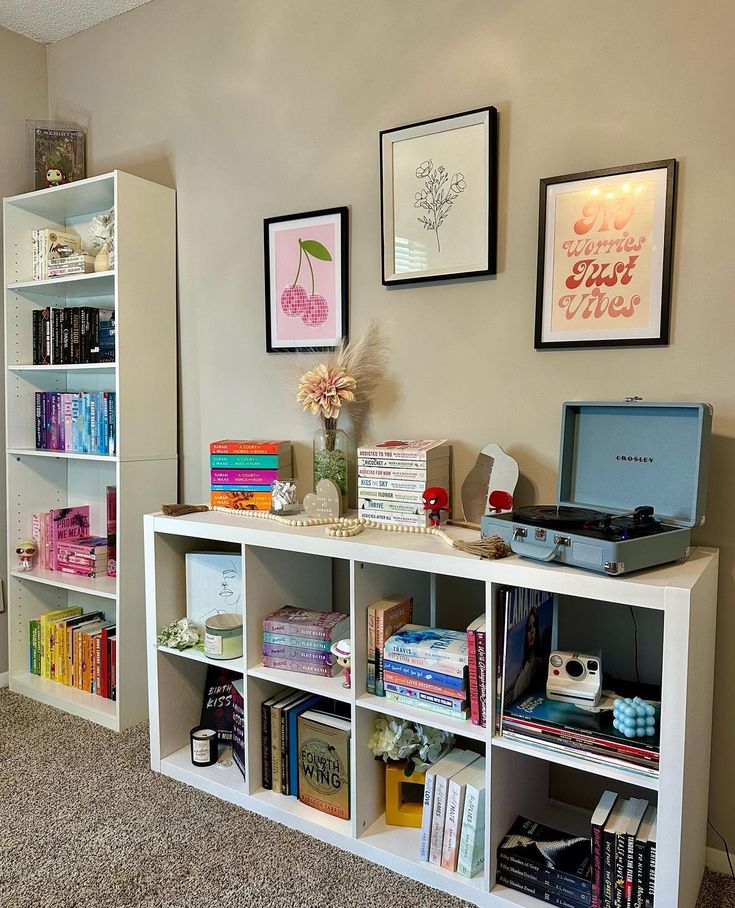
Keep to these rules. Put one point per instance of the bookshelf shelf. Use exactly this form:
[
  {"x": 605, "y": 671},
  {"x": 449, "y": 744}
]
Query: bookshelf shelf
[
  {"x": 314, "y": 684},
  {"x": 197, "y": 655},
  {"x": 76, "y": 367},
  {"x": 608, "y": 770},
  {"x": 223, "y": 782},
  {"x": 105, "y": 587},
  {"x": 71, "y": 286},
  {"x": 144, "y": 467},
  {"x": 283, "y": 566},
  {"x": 63, "y": 455}
]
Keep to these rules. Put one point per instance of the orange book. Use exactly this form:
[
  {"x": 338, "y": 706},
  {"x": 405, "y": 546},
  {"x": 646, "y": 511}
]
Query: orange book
[{"x": 241, "y": 501}]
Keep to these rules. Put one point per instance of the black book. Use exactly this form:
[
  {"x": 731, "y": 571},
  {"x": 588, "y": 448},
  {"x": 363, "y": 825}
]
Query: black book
[
  {"x": 640, "y": 858},
  {"x": 238, "y": 726},
  {"x": 66, "y": 336},
  {"x": 550, "y": 897},
  {"x": 550, "y": 880},
  {"x": 76, "y": 326},
  {"x": 639, "y": 806},
  {"x": 614, "y": 821},
  {"x": 217, "y": 702},
  {"x": 533, "y": 845},
  {"x": 36, "y": 335},
  {"x": 265, "y": 732},
  {"x": 56, "y": 336},
  {"x": 651, "y": 888}
]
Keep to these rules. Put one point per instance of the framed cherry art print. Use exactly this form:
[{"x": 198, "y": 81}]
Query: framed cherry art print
[
  {"x": 604, "y": 257},
  {"x": 306, "y": 280}
]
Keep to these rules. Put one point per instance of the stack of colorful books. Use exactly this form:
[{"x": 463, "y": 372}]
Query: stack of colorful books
[
  {"x": 300, "y": 640},
  {"x": 393, "y": 475},
  {"x": 85, "y": 556},
  {"x": 82, "y": 422},
  {"x": 75, "y": 649},
  {"x": 427, "y": 667},
  {"x": 242, "y": 472}
]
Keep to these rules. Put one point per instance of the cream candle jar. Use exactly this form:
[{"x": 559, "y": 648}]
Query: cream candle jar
[{"x": 223, "y": 636}]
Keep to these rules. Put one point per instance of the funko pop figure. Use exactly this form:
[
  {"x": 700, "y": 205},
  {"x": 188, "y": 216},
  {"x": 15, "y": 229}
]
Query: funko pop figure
[
  {"x": 342, "y": 650},
  {"x": 436, "y": 500},
  {"x": 55, "y": 177},
  {"x": 26, "y": 552}
]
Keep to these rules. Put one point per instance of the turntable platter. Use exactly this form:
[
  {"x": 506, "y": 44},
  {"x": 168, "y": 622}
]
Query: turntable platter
[{"x": 555, "y": 516}]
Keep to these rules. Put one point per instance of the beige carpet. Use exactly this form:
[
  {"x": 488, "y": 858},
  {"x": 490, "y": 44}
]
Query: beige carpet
[{"x": 84, "y": 822}]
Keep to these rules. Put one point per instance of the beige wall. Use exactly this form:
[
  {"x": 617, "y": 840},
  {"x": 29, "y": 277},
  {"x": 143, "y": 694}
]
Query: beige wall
[
  {"x": 23, "y": 95},
  {"x": 269, "y": 107}
]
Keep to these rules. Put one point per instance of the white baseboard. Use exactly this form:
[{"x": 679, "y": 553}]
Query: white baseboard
[
  {"x": 716, "y": 859},
  {"x": 4, "y": 679}
]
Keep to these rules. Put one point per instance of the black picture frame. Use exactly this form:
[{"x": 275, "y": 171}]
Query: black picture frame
[
  {"x": 486, "y": 116},
  {"x": 273, "y": 344},
  {"x": 616, "y": 255}
]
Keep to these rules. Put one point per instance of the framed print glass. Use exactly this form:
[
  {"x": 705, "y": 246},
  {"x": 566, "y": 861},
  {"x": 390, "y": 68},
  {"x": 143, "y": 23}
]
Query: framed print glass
[
  {"x": 604, "y": 257},
  {"x": 438, "y": 185},
  {"x": 55, "y": 153},
  {"x": 306, "y": 280}
]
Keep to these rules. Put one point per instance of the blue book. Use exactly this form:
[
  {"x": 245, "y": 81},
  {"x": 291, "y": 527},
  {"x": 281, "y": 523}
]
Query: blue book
[
  {"x": 235, "y": 488},
  {"x": 293, "y": 743},
  {"x": 424, "y": 674}
]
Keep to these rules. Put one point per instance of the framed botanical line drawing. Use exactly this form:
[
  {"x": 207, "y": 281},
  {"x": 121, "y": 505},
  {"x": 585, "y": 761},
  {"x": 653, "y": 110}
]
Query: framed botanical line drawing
[
  {"x": 438, "y": 187},
  {"x": 604, "y": 257},
  {"x": 306, "y": 280}
]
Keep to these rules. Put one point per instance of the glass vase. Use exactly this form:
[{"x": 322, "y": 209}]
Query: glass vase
[{"x": 331, "y": 449}]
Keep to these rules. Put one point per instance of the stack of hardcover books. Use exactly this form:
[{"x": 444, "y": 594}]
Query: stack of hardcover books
[
  {"x": 85, "y": 556},
  {"x": 68, "y": 336},
  {"x": 453, "y": 816},
  {"x": 550, "y": 865},
  {"x": 50, "y": 249},
  {"x": 427, "y": 667},
  {"x": 300, "y": 640},
  {"x": 385, "y": 617},
  {"x": 75, "y": 649},
  {"x": 393, "y": 475},
  {"x": 242, "y": 472},
  {"x": 76, "y": 263}
]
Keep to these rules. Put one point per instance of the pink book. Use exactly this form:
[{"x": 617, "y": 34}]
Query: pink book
[
  {"x": 301, "y": 622},
  {"x": 66, "y": 524},
  {"x": 306, "y": 668},
  {"x": 243, "y": 477}
]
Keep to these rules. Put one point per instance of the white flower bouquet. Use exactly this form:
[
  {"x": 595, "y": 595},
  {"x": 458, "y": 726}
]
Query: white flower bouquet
[{"x": 419, "y": 745}]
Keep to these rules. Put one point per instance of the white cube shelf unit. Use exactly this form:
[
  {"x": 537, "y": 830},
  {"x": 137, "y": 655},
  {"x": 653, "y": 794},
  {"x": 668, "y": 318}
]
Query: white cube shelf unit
[
  {"x": 142, "y": 291},
  {"x": 675, "y": 603}
]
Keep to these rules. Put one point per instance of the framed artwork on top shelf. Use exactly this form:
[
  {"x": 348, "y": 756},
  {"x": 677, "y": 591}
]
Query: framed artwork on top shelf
[
  {"x": 605, "y": 254},
  {"x": 306, "y": 280},
  {"x": 438, "y": 186},
  {"x": 55, "y": 153}
]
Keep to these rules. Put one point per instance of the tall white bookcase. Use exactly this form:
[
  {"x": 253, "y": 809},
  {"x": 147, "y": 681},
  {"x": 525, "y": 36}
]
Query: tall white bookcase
[
  {"x": 675, "y": 608},
  {"x": 142, "y": 290}
]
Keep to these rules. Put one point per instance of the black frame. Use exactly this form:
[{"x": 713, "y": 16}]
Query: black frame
[
  {"x": 343, "y": 213},
  {"x": 492, "y": 202},
  {"x": 670, "y": 165}
]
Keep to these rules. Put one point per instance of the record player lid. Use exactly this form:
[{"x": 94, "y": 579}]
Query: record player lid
[{"x": 617, "y": 455}]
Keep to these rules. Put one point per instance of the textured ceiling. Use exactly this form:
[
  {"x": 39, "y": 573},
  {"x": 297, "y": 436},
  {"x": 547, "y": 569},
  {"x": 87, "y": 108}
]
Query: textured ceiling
[{"x": 51, "y": 20}]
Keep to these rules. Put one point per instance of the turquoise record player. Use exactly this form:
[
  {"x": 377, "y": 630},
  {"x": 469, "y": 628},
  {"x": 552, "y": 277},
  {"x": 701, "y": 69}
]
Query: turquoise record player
[{"x": 632, "y": 483}]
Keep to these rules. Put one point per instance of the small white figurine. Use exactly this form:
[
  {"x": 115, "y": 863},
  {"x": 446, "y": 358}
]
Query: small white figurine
[
  {"x": 26, "y": 553},
  {"x": 342, "y": 649}
]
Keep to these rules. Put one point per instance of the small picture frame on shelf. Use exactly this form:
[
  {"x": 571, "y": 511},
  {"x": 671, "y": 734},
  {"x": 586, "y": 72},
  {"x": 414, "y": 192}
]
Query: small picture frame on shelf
[
  {"x": 438, "y": 187},
  {"x": 55, "y": 153},
  {"x": 306, "y": 280},
  {"x": 605, "y": 253}
]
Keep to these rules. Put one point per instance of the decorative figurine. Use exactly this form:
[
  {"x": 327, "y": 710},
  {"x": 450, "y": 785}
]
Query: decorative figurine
[
  {"x": 436, "y": 500},
  {"x": 342, "y": 649},
  {"x": 325, "y": 502},
  {"x": 634, "y": 718},
  {"x": 55, "y": 176},
  {"x": 26, "y": 553}
]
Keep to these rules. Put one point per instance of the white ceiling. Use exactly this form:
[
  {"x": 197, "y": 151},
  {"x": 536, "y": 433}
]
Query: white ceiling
[{"x": 51, "y": 20}]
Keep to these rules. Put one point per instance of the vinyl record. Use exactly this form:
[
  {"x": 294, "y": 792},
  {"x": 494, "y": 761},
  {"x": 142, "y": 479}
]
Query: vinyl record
[{"x": 552, "y": 515}]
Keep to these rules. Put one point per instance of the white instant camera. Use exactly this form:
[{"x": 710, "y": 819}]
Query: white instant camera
[{"x": 574, "y": 678}]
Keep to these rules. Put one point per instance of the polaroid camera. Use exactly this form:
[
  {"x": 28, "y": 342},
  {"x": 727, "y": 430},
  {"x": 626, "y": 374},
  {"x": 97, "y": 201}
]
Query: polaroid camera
[{"x": 574, "y": 678}]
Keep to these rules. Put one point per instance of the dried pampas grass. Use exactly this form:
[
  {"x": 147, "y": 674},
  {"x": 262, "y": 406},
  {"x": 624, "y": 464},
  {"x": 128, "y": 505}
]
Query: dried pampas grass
[{"x": 366, "y": 360}]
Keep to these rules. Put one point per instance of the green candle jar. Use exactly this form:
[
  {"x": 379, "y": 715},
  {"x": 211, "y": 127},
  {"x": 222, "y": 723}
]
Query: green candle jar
[{"x": 223, "y": 636}]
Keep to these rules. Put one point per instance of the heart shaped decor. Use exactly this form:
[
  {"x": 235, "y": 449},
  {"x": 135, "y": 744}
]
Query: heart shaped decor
[{"x": 325, "y": 502}]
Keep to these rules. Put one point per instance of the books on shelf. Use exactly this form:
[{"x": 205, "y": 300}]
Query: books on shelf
[
  {"x": 85, "y": 556},
  {"x": 299, "y": 640},
  {"x": 324, "y": 762},
  {"x": 238, "y": 725},
  {"x": 50, "y": 248},
  {"x": 72, "y": 335},
  {"x": 384, "y": 618},
  {"x": 111, "y": 510},
  {"x": 217, "y": 702},
  {"x": 59, "y": 527},
  {"x": 241, "y": 472},
  {"x": 474, "y": 777},
  {"x": 77, "y": 263},
  {"x": 74, "y": 649},
  {"x": 434, "y": 811},
  {"x": 392, "y": 476},
  {"x": 549, "y": 864},
  {"x": 79, "y": 422}
]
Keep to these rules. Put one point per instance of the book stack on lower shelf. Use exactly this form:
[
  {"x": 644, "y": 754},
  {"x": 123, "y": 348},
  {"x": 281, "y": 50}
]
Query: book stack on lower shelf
[
  {"x": 427, "y": 667},
  {"x": 51, "y": 248},
  {"x": 453, "y": 817},
  {"x": 64, "y": 543},
  {"x": 300, "y": 640},
  {"x": 393, "y": 475},
  {"x": 75, "y": 649},
  {"x": 298, "y": 732},
  {"x": 71, "y": 335},
  {"x": 242, "y": 472}
]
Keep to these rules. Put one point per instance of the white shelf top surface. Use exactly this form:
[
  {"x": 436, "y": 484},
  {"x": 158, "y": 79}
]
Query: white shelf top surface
[
  {"x": 106, "y": 587},
  {"x": 70, "y": 199},
  {"x": 428, "y": 553},
  {"x": 57, "y": 367},
  {"x": 77, "y": 286}
]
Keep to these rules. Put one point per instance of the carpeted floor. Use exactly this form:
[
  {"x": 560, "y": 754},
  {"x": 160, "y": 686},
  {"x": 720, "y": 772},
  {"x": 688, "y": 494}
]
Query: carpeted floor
[{"x": 84, "y": 822}]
